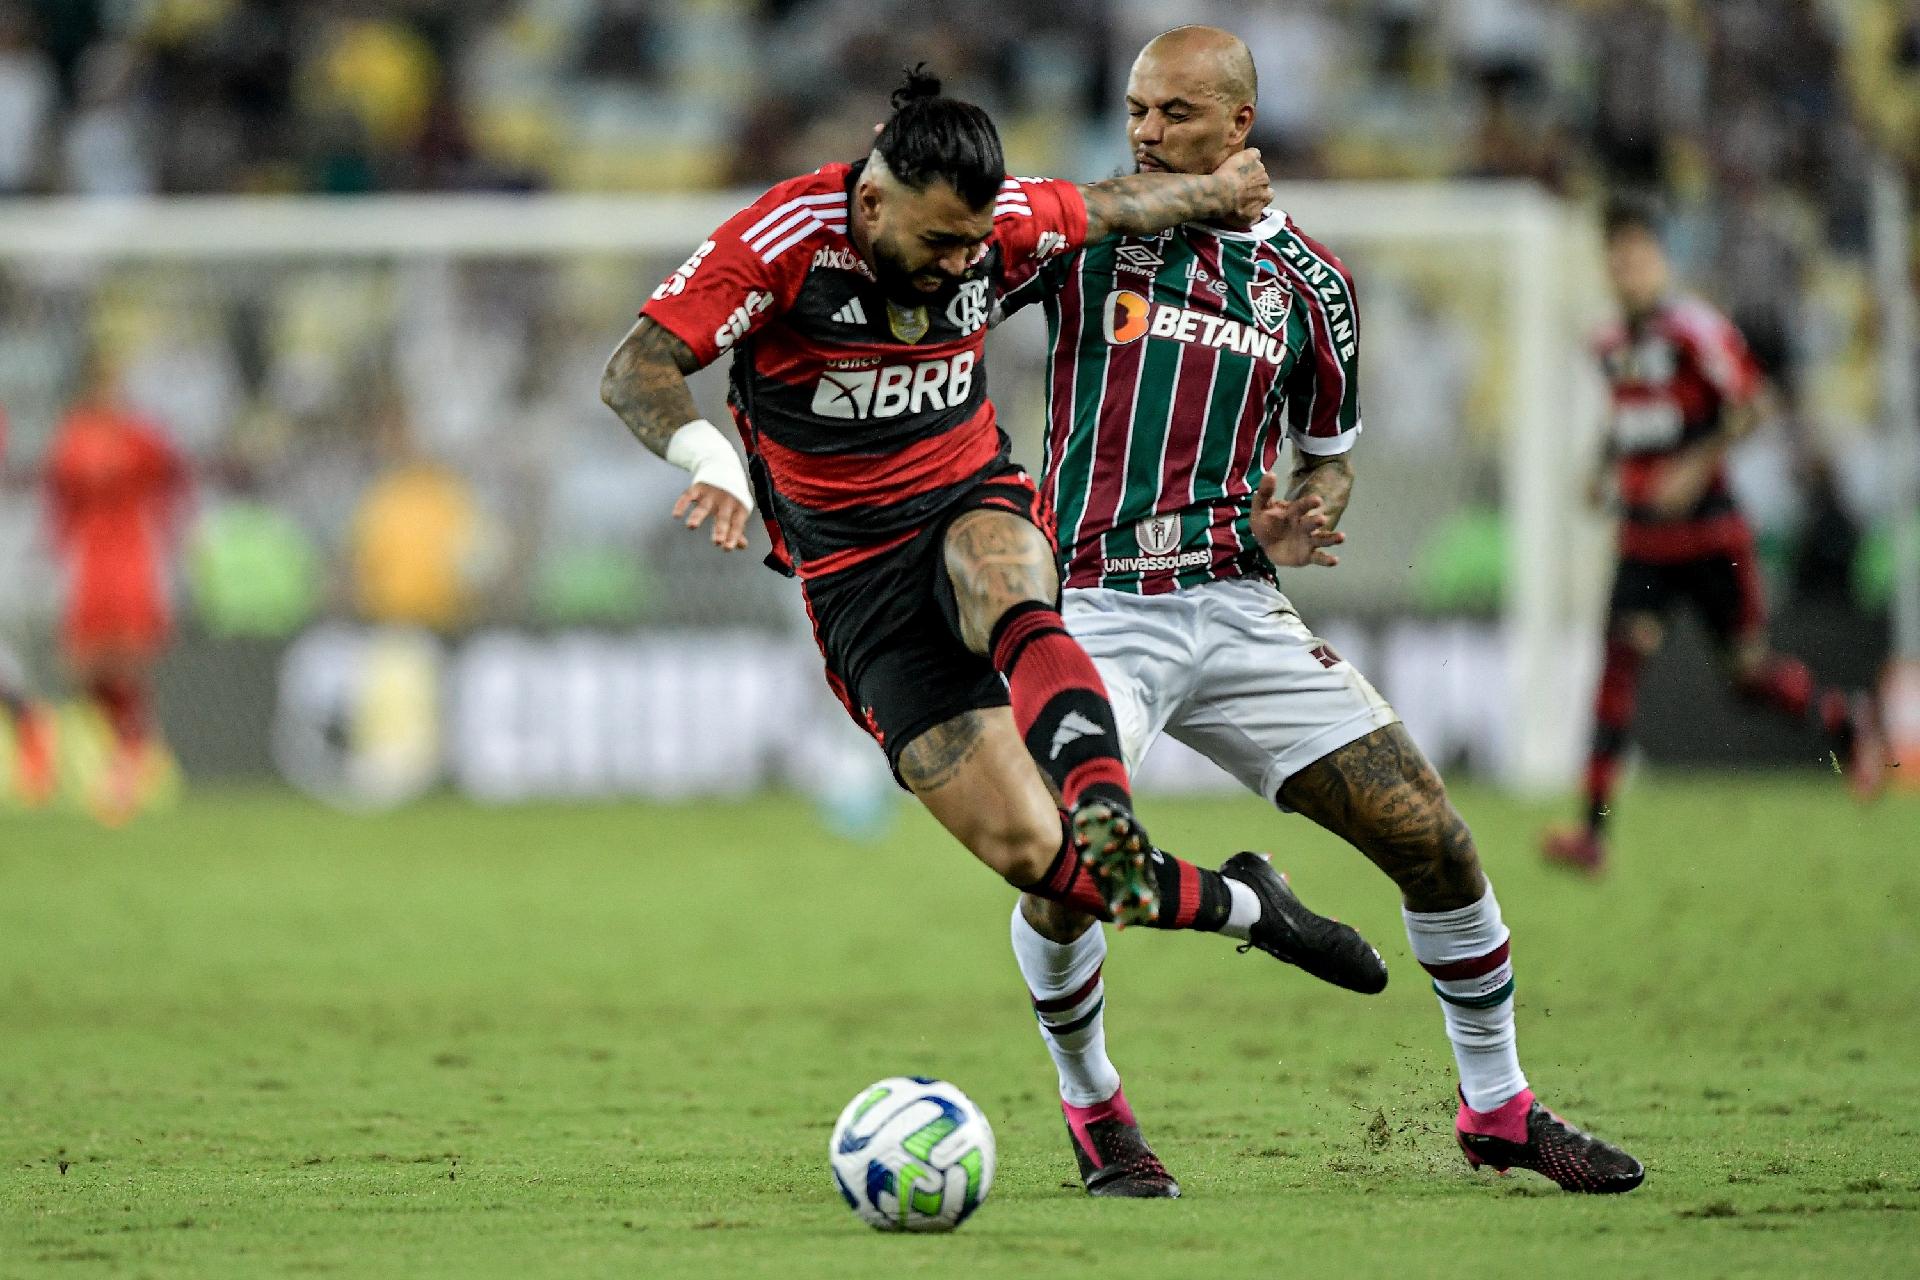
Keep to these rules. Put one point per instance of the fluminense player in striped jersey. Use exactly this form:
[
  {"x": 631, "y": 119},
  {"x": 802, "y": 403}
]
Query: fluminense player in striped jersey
[{"x": 1180, "y": 362}]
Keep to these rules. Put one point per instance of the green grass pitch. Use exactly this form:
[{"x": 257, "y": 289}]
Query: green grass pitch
[{"x": 256, "y": 1038}]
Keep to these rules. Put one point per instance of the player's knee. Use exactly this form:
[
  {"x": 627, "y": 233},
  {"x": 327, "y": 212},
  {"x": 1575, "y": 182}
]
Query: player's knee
[
  {"x": 1641, "y": 633},
  {"x": 1054, "y": 921},
  {"x": 996, "y": 561},
  {"x": 1746, "y": 664}
]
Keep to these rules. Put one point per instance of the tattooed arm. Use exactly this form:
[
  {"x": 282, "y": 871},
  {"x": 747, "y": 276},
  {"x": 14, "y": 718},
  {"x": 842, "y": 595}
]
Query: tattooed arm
[
  {"x": 1329, "y": 478},
  {"x": 1299, "y": 530},
  {"x": 1143, "y": 203},
  {"x": 645, "y": 383}
]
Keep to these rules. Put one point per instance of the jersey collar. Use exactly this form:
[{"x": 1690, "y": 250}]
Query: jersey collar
[{"x": 1270, "y": 224}]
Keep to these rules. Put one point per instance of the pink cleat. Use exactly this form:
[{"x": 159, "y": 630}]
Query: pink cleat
[
  {"x": 1114, "y": 1158},
  {"x": 1522, "y": 1134},
  {"x": 1576, "y": 848}
]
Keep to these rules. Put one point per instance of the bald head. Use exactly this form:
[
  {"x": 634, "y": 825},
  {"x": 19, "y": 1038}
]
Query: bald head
[
  {"x": 1190, "y": 100},
  {"x": 1207, "y": 59}
]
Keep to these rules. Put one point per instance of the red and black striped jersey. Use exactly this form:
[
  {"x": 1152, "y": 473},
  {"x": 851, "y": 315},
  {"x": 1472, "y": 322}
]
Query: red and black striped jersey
[
  {"x": 1673, "y": 376},
  {"x": 863, "y": 418}
]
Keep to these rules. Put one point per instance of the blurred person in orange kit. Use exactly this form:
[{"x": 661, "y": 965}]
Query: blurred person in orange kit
[
  {"x": 116, "y": 493},
  {"x": 29, "y": 727}
]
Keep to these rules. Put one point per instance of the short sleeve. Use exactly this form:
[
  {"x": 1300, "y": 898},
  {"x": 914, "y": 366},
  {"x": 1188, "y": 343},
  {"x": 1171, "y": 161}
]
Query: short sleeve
[
  {"x": 1323, "y": 391},
  {"x": 1040, "y": 286},
  {"x": 743, "y": 275},
  {"x": 1036, "y": 220},
  {"x": 1724, "y": 358}
]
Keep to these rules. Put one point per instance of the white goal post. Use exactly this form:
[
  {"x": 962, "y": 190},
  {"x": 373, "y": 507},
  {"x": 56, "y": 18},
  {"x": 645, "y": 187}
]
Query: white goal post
[{"x": 1536, "y": 435}]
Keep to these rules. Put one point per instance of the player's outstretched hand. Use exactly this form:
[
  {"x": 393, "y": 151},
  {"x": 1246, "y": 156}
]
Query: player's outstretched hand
[
  {"x": 728, "y": 512},
  {"x": 1252, "y": 189},
  {"x": 1293, "y": 533}
]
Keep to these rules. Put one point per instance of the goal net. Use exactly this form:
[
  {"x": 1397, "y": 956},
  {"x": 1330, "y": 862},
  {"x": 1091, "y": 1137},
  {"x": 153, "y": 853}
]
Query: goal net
[{"x": 313, "y": 357}]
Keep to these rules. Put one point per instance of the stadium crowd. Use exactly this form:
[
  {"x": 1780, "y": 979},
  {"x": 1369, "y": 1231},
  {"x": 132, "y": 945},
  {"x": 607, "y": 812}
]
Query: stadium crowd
[{"x": 322, "y": 410}]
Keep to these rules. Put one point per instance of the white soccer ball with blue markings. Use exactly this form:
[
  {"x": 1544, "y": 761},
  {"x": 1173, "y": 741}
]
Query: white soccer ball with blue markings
[{"x": 912, "y": 1154}]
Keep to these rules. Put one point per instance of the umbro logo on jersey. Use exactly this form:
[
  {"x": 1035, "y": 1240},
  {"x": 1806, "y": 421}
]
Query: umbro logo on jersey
[
  {"x": 1072, "y": 727},
  {"x": 1137, "y": 257},
  {"x": 852, "y": 313}
]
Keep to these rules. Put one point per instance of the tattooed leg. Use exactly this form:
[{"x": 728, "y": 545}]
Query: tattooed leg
[
  {"x": 1006, "y": 590},
  {"x": 1380, "y": 795},
  {"x": 974, "y": 775}
]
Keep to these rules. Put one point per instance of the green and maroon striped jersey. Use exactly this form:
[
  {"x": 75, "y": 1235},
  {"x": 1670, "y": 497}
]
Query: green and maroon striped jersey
[{"x": 1178, "y": 362}]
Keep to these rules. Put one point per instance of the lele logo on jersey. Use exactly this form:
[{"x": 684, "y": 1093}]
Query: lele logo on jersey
[
  {"x": 1128, "y": 317},
  {"x": 890, "y": 390}
]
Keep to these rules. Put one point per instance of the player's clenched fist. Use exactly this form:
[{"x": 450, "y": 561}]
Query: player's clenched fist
[{"x": 1253, "y": 190}]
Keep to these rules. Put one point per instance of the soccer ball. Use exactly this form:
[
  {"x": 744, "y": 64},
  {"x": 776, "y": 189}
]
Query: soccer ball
[{"x": 912, "y": 1154}]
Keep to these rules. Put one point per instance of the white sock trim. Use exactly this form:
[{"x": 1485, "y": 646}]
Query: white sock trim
[
  {"x": 1054, "y": 970},
  {"x": 1483, "y": 1039},
  {"x": 1245, "y": 911}
]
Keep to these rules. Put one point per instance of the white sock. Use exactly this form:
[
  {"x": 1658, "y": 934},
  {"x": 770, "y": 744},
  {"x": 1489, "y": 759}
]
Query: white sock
[
  {"x": 1466, "y": 952},
  {"x": 1244, "y": 912},
  {"x": 1069, "y": 1000}
]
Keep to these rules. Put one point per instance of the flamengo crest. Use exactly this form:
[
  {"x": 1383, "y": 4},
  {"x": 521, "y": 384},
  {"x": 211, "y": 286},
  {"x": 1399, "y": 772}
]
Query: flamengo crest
[
  {"x": 968, "y": 310},
  {"x": 1158, "y": 535},
  {"x": 1269, "y": 295}
]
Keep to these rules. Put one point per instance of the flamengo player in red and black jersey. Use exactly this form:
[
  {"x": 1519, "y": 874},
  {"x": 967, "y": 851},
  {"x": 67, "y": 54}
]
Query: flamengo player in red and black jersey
[
  {"x": 1684, "y": 389},
  {"x": 855, "y": 303}
]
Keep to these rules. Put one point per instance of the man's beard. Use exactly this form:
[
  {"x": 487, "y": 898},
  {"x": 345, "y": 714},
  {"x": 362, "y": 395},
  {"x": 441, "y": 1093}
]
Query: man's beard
[{"x": 896, "y": 282}]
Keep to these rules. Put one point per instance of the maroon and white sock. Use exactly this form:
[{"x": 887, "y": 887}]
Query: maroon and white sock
[
  {"x": 1467, "y": 953},
  {"x": 1059, "y": 704},
  {"x": 1069, "y": 1002}
]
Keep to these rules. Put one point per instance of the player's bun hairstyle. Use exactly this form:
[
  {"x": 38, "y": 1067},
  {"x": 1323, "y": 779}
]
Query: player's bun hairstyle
[
  {"x": 933, "y": 138},
  {"x": 1630, "y": 212}
]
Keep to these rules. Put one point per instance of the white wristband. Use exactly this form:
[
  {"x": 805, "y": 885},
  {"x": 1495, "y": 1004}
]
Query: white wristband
[{"x": 699, "y": 448}]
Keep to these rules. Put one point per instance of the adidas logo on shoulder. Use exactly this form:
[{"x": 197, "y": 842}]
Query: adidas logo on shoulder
[{"x": 852, "y": 313}]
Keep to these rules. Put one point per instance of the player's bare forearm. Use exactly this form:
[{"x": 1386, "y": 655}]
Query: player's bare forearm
[
  {"x": 1331, "y": 478},
  {"x": 1143, "y": 203},
  {"x": 645, "y": 384}
]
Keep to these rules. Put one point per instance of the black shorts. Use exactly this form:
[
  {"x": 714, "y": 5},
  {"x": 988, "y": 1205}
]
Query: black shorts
[
  {"x": 1724, "y": 590},
  {"x": 889, "y": 627}
]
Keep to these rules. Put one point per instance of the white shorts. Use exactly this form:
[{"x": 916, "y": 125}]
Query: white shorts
[{"x": 1229, "y": 669}]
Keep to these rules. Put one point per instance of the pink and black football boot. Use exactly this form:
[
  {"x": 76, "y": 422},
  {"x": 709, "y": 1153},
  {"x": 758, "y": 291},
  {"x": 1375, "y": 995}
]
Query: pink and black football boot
[
  {"x": 1114, "y": 1158},
  {"x": 1522, "y": 1134}
]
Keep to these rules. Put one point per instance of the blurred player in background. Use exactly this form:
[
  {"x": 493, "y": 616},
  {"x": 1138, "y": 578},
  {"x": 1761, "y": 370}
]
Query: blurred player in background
[
  {"x": 855, "y": 302},
  {"x": 1180, "y": 364},
  {"x": 1684, "y": 389},
  {"x": 29, "y": 726},
  {"x": 116, "y": 493}
]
